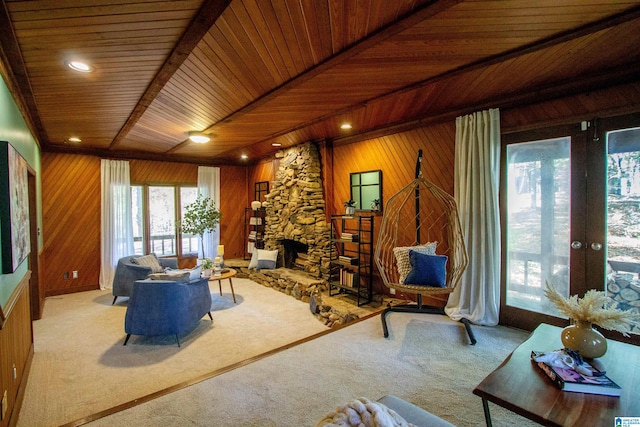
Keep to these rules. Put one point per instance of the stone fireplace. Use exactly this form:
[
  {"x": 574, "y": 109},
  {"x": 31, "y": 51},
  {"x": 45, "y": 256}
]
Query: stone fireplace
[
  {"x": 295, "y": 254},
  {"x": 295, "y": 212}
]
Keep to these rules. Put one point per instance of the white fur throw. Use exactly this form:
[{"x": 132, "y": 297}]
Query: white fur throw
[{"x": 362, "y": 412}]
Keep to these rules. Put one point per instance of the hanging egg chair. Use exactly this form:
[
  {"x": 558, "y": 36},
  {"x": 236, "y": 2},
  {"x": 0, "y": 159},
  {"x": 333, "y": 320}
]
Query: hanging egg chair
[{"x": 420, "y": 248}]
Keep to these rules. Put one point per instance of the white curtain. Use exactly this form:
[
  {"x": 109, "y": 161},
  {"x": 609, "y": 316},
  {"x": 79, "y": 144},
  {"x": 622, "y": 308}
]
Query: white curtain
[
  {"x": 116, "y": 222},
  {"x": 477, "y": 180},
  {"x": 209, "y": 186}
]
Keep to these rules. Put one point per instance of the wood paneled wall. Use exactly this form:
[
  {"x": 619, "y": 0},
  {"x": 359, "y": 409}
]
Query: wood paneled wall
[
  {"x": 233, "y": 200},
  {"x": 396, "y": 156},
  {"x": 71, "y": 213},
  {"x": 16, "y": 350},
  {"x": 70, "y": 222},
  {"x": 265, "y": 170}
]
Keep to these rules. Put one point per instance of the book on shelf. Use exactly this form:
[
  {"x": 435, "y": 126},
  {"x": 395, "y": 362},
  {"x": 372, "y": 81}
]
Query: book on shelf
[
  {"x": 348, "y": 278},
  {"x": 570, "y": 380},
  {"x": 349, "y": 237},
  {"x": 255, "y": 220},
  {"x": 348, "y": 260}
]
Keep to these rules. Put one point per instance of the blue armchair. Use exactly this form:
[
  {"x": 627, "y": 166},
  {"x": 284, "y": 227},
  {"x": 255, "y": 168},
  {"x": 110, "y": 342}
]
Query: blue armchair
[
  {"x": 158, "y": 307},
  {"x": 127, "y": 273}
]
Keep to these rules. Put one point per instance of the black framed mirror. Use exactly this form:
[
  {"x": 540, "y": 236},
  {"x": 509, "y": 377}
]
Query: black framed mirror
[
  {"x": 366, "y": 190},
  {"x": 260, "y": 190}
]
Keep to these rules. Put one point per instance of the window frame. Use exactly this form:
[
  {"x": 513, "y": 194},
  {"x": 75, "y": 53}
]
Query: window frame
[{"x": 146, "y": 223}]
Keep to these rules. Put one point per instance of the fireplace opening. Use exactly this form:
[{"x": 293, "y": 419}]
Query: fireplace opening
[{"x": 295, "y": 254}]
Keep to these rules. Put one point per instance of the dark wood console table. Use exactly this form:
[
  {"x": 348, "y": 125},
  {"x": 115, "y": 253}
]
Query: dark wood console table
[{"x": 519, "y": 386}]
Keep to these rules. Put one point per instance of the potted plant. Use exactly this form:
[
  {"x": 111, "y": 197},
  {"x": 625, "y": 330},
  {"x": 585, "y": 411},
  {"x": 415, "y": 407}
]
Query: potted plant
[
  {"x": 349, "y": 207},
  {"x": 207, "y": 265},
  {"x": 375, "y": 205},
  {"x": 201, "y": 217}
]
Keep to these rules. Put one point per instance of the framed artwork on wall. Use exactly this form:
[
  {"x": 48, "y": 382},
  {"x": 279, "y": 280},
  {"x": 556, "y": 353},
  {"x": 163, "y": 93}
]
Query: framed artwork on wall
[{"x": 14, "y": 214}]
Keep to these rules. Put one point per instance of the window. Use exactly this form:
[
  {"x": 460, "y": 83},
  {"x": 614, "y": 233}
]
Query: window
[{"x": 157, "y": 211}]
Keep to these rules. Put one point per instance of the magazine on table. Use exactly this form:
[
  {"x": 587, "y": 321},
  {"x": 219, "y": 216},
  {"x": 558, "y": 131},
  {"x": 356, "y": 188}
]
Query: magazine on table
[{"x": 584, "y": 379}]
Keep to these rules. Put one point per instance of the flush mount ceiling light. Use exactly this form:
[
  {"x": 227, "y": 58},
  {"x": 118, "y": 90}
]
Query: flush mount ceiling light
[
  {"x": 345, "y": 126},
  {"x": 79, "y": 66},
  {"x": 73, "y": 139},
  {"x": 244, "y": 157},
  {"x": 276, "y": 144},
  {"x": 199, "y": 137}
]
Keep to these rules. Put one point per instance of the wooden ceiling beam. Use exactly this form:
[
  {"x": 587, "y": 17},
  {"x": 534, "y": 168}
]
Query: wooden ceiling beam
[
  {"x": 204, "y": 19},
  {"x": 425, "y": 11},
  {"x": 566, "y": 36},
  {"x": 529, "y": 96}
]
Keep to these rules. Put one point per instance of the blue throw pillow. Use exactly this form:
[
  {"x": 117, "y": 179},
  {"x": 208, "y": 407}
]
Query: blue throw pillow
[{"x": 427, "y": 270}]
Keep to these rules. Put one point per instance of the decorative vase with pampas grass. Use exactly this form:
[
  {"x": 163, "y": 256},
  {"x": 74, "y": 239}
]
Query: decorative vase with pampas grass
[{"x": 594, "y": 308}]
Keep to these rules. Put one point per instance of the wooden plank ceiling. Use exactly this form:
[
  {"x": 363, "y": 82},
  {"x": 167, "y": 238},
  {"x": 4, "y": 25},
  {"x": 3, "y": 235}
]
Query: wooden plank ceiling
[{"x": 256, "y": 72}]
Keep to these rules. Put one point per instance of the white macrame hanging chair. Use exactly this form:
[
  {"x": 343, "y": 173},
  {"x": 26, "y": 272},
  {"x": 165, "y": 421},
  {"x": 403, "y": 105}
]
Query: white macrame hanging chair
[{"x": 419, "y": 213}]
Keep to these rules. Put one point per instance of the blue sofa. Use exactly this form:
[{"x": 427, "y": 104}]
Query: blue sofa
[
  {"x": 158, "y": 307},
  {"x": 127, "y": 273}
]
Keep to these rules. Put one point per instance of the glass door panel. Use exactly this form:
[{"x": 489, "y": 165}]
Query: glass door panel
[
  {"x": 162, "y": 220},
  {"x": 623, "y": 218},
  {"x": 538, "y": 222}
]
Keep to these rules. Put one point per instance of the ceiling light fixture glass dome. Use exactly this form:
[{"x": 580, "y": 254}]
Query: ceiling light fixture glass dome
[{"x": 199, "y": 137}]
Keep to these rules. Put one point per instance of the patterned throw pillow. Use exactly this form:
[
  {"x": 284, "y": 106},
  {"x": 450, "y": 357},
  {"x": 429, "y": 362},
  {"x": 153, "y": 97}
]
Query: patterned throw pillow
[
  {"x": 149, "y": 261},
  {"x": 402, "y": 257}
]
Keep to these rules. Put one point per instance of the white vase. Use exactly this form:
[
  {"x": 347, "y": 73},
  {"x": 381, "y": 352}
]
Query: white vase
[{"x": 206, "y": 272}]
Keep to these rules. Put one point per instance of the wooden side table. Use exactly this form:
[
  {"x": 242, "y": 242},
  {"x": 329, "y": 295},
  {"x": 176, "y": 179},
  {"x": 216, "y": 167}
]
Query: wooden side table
[
  {"x": 521, "y": 387},
  {"x": 226, "y": 275}
]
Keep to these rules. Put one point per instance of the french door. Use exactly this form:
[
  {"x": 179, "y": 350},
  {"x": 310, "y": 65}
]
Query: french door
[{"x": 570, "y": 203}]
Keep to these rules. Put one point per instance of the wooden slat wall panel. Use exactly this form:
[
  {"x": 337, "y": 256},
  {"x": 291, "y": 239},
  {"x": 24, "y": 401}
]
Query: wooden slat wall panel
[
  {"x": 233, "y": 195},
  {"x": 151, "y": 172},
  {"x": 71, "y": 213},
  {"x": 233, "y": 200},
  {"x": 396, "y": 156},
  {"x": 16, "y": 342},
  {"x": 618, "y": 100},
  {"x": 261, "y": 171},
  {"x": 70, "y": 222}
]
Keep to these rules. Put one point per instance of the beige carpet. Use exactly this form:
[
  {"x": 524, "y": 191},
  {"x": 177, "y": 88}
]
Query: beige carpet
[
  {"x": 426, "y": 360},
  {"x": 80, "y": 366}
]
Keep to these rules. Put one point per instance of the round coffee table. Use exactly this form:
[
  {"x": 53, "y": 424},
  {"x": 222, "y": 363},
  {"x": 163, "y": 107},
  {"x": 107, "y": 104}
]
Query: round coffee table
[{"x": 227, "y": 273}]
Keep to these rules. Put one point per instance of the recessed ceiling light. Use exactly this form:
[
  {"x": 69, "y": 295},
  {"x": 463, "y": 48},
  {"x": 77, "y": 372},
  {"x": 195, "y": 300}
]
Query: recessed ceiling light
[
  {"x": 79, "y": 66},
  {"x": 199, "y": 137},
  {"x": 74, "y": 139},
  {"x": 276, "y": 144},
  {"x": 244, "y": 157},
  {"x": 345, "y": 126}
]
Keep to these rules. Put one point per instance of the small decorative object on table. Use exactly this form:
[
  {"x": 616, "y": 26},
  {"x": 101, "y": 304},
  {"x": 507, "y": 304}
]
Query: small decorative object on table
[
  {"x": 349, "y": 207},
  {"x": 594, "y": 308},
  {"x": 221, "y": 255},
  {"x": 375, "y": 205},
  {"x": 206, "y": 264},
  {"x": 217, "y": 269}
]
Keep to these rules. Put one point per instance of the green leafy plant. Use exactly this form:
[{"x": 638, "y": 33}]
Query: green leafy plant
[
  {"x": 350, "y": 204},
  {"x": 201, "y": 217},
  {"x": 206, "y": 263}
]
